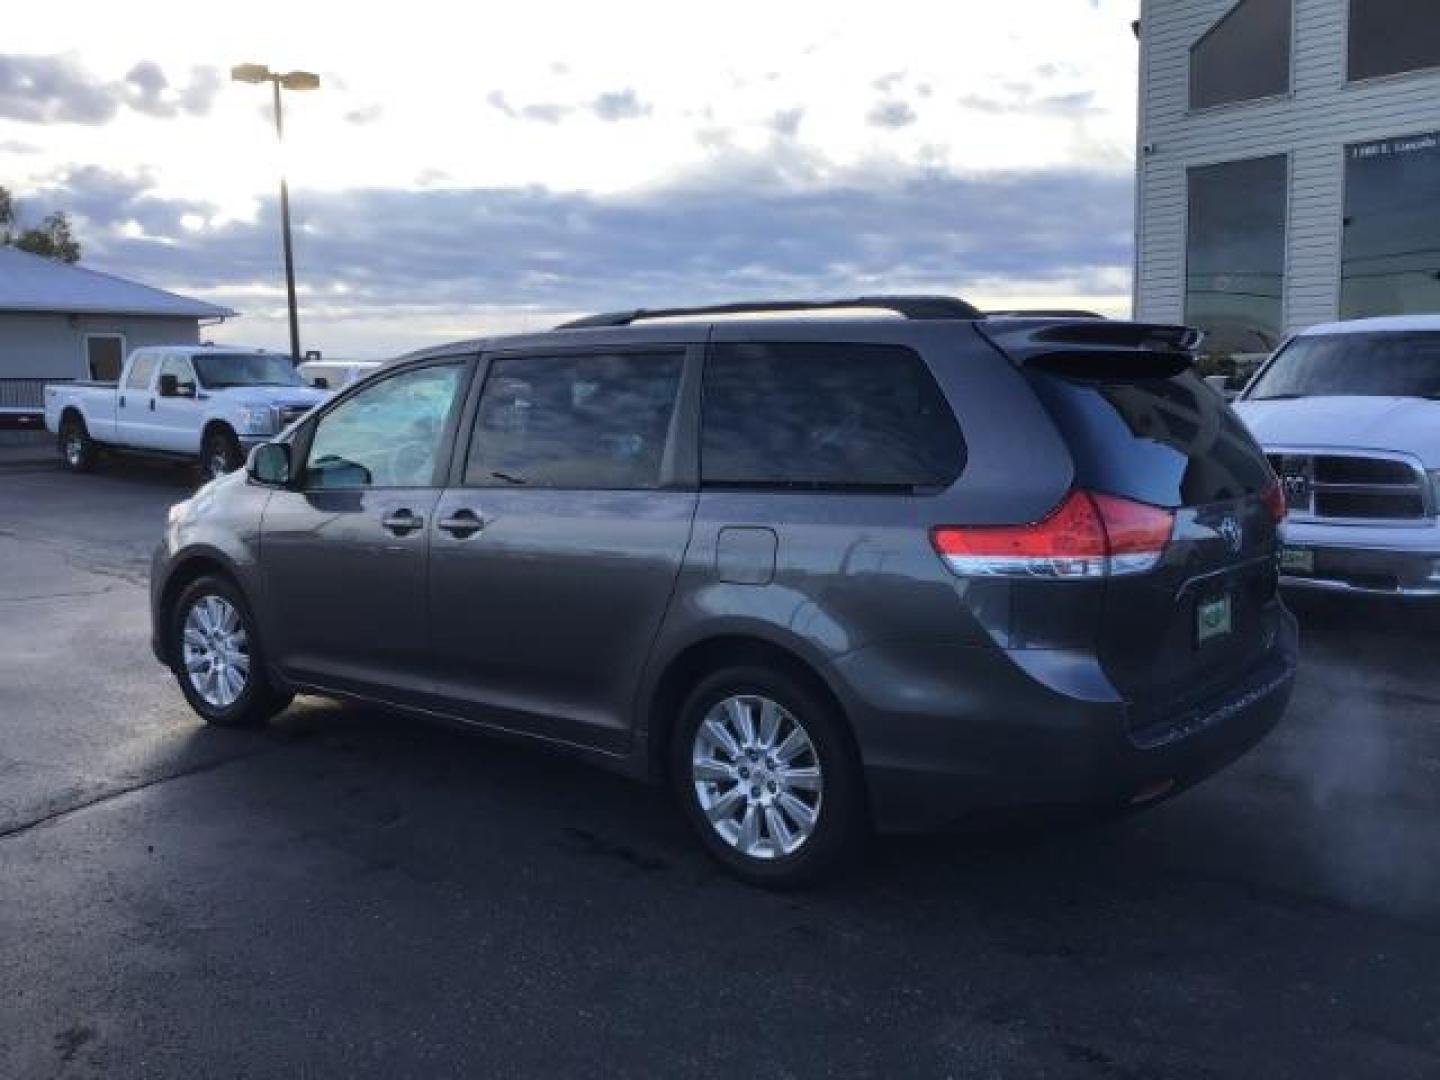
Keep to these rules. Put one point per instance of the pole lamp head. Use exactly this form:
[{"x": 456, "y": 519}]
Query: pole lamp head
[
  {"x": 300, "y": 80},
  {"x": 250, "y": 73}
]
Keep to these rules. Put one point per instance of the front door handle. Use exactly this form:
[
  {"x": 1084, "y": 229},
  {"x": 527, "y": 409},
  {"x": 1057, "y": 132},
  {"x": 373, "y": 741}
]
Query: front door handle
[
  {"x": 462, "y": 523},
  {"x": 403, "y": 522}
]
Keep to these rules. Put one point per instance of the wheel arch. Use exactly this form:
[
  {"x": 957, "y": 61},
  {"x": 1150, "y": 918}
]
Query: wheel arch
[
  {"x": 700, "y": 658},
  {"x": 194, "y": 565},
  {"x": 216, "y": 424}
]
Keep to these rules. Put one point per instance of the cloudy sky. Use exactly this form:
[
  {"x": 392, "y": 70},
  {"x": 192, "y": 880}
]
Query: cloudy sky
[{"x": 463, "y": 170}]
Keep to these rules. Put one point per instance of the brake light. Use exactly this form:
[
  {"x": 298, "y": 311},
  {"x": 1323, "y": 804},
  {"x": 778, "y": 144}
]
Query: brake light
[
  {"x": 1274, "y": 498},
  {"x": 1089, "y": 535}
]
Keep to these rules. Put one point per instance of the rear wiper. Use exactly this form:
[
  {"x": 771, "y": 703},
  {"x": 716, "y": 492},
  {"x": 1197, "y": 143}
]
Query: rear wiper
[{"x": 509, "y": 479}]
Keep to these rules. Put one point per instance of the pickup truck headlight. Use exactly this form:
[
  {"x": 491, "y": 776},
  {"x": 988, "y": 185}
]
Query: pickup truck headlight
[{"x": 256, "y": 420}]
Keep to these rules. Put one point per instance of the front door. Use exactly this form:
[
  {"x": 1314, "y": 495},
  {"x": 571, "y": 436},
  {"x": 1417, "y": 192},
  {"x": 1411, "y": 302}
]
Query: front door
[
  {"x": 344, "y": 555},
  {"x": 554, "y": 556},
  {"x": 176, "y": 419}
]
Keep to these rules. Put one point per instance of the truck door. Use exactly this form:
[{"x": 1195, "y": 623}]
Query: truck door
[
  {"x": 134, "y": 416},
  {"x": 176, "y": 419}
]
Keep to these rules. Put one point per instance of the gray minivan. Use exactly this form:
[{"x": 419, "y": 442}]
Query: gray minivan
[{"x": 817, "y": 574}]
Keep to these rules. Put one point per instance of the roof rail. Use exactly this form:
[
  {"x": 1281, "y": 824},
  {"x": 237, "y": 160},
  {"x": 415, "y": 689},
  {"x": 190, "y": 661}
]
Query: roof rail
[{"x": 911, "y": 307}]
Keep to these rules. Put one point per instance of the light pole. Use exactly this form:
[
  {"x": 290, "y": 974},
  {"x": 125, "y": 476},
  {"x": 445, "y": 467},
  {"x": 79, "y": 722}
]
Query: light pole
[{"x": 293, "y": 80}]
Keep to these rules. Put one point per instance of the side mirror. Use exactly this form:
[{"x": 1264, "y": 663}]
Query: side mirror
[
  {"x": 168, "y": 386},
  {"x": 320, "y": 382},
  {"x": 270, "y": 464}
]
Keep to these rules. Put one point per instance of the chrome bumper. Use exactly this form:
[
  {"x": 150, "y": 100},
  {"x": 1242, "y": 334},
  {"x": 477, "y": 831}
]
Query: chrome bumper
[{"x": 1367, "y": 560}]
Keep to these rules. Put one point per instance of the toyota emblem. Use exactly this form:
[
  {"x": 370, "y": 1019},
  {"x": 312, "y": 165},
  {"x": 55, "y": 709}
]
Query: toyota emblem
[{"x": 1229, "y": 529}]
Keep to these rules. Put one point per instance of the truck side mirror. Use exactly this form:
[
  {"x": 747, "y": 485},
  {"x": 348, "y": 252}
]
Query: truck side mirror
[
  {"x": 321, "y": 383},
  {"x": 270, "y": 464},
  {"x": 168, "y": 386}
]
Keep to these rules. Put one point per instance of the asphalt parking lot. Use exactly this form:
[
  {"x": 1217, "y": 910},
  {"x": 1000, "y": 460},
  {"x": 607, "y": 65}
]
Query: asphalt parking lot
[{"x": 350, "y": 893}]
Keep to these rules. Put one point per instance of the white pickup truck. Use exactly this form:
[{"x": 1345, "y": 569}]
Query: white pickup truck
[
  {"x": 1349, "y": 415},
  {"x": 207, "y": 403}
]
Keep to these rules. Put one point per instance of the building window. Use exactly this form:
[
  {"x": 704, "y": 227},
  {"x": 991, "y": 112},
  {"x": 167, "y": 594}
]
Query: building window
[
  {"x": 1390, "y": 258},
  {"x": 104, "y": 356},
  {"x": 1391, "y": 36},
  {"x": 1235, "y": 254},
  {"x": 1246, "y": 55}
]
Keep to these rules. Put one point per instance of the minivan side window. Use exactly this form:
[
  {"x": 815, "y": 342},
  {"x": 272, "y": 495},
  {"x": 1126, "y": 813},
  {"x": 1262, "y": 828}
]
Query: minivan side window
[
  {"x": 141, "y": 369},
  {"x": 825, "y": 415},
  {"x": 387, "y": 435},
  {"x": 584, "y": 422}
]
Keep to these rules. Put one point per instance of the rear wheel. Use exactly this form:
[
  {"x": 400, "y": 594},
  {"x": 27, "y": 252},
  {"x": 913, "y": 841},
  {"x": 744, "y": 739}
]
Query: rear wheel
[
  {"x": 219, "y": 453},
  {"x": 78, "y": 451},
  {"x": 217, "y": 658},
  {"x": 767, "y": 778}
]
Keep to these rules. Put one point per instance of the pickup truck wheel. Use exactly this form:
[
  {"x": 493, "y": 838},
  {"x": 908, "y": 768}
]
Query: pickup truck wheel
[
  {"x": 219, "y": 454},
  {"x": 217, "y": 657},
  {"x": 77, "y": 450}
]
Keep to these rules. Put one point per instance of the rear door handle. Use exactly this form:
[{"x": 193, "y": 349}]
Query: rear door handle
[
  {"x": 462, "y": 523},
  {"x": 402, "y": 522}
]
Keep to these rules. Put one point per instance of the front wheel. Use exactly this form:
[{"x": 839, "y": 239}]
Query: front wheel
[
  {"x": 77, "y": 450},
  {"x": 764, "y": 770},
  {"x": 219, "y": 454},
  {"x": 216, "y": 655}
]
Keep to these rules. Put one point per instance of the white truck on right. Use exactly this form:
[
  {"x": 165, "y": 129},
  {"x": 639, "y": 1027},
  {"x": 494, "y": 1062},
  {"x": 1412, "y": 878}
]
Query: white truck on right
[{"x": 1349, "y": 415}]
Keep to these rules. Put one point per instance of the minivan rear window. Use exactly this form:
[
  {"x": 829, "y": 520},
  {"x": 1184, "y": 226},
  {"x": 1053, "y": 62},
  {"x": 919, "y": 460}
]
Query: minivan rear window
[
  {"x": 826, "y": 415},
  {"x": 1168, "y": 441}
]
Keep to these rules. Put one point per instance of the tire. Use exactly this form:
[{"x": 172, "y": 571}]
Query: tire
[
  {"x": 775, "y": 776},
  {"x": 219, "y": 454},
  {"x": 213, "y": 691},
  {"x": 78, "y": 451}
]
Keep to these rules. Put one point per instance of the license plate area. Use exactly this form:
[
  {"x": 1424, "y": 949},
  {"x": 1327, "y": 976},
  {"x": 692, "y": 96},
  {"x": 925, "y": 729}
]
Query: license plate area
[{"x": 1214, "y": 618}]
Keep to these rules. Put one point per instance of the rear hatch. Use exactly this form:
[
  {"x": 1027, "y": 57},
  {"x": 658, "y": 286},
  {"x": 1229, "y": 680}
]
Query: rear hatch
[{"x": 1143, "y": 427}]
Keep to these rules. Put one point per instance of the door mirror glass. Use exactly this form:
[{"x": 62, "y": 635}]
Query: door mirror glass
[
  {"x": 169, "y": 386},
  {"x": 270, "y": 463}
]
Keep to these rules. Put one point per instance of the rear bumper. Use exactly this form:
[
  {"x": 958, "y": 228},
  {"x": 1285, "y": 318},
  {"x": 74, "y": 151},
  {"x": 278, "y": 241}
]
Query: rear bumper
[
  {"x": 1367, "y": 560},
  {"x": 992, "y": 733}
]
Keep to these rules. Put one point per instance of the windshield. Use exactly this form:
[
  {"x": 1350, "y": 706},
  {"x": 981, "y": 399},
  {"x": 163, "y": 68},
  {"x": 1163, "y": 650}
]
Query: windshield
[
  {"x": 219, "y": 371},
  {"x": 1361, "y": 365}
]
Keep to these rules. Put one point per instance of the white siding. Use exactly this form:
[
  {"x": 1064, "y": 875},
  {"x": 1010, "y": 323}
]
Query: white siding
[
  {"x": 34, "y": 346},
  {"x": 1312, "y": 124}
]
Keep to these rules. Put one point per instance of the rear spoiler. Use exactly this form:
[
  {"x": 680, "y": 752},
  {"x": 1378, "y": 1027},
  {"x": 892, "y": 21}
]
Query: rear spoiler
[{"x": 1098, "y": 348}]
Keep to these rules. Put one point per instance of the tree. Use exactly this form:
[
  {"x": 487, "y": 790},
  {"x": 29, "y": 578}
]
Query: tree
[{"x": 52, "y": 238}]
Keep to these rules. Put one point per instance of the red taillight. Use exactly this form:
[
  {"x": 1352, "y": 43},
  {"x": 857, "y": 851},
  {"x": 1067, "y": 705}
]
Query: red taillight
[
  {"x": 1274, "y": 499},
  {"x": 1087, "y": 535}
]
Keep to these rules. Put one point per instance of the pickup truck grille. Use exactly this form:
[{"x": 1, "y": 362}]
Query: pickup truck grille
[{"x": 1351, "y": 487}]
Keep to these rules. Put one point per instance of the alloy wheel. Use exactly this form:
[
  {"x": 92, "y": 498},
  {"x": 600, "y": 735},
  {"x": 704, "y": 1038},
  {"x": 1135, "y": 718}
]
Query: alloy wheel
[
  {"x": 216, "y": 651},
  {"x": 757, "y": 776}
]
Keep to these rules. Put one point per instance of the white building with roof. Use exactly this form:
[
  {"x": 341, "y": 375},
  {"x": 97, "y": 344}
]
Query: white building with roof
[
  {"x": 1288, "y": 165},
  {"x": 60, "y": 321}
]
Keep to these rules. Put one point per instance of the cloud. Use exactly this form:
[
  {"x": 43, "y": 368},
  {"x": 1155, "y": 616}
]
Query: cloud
[
  {"x": 58, "y": 89},
  {"x": 366, "y": 114},
  {"x": 545, "y": 112},
  {"x": 786, "y": 123},
  {"x": 891, "y": 114},
  {"x": 365, "y": 252},
  {"x": 619, "y": 105}
]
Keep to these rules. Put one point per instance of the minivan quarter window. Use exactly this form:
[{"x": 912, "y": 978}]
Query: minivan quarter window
[
  {"x": 591, "y": 421},
  {"x": 825, "y": 415},
  {"x": 386, "y": 435}
]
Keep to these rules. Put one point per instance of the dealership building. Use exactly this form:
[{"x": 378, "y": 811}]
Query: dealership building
[{"x": 1288, "y": 167}]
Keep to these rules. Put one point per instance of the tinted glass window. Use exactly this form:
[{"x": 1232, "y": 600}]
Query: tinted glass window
[
  {"x": 140, "y": 371},
  {"x": 583, "y": 422},
  {"x": 221, "y": 370},
  {"x": 1391, "y": 36},
  {"x": 1168, "y": 442},
  {"x": 1246, "y": 55},
  {"x": 1390, "y": 258},
  {"x": 387, "y": 435},
  {"x": 1369, "y": 365},
  {"x": 828, "y": 416},
  {"x": 1235, "y": 254}
]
